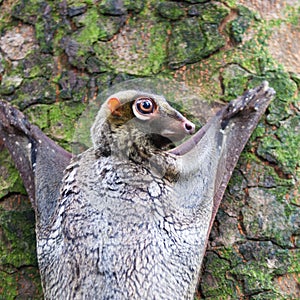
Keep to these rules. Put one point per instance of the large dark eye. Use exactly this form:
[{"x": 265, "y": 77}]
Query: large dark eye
[{"x": 145, "y": 105}]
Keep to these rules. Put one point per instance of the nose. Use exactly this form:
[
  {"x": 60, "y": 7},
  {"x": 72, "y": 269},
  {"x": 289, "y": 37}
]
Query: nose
[{"x": 189, "y": 126}]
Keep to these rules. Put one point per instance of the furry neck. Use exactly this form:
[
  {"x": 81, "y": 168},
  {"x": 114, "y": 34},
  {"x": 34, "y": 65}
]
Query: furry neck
[{"x": 127, "y": 143}]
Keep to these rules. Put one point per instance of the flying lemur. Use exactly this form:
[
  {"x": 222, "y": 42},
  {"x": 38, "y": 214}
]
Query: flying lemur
[{"x": 129, "y": 218}]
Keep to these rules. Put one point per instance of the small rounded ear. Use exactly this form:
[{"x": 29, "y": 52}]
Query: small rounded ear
[{"x": 114, "y": 104}]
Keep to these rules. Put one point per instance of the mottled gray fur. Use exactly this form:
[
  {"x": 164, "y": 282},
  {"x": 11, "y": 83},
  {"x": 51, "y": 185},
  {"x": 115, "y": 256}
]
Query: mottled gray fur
[{"x": 132, "y": 219}]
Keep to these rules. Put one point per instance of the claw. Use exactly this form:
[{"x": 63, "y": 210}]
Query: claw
[{"x": 252, "y": 99}]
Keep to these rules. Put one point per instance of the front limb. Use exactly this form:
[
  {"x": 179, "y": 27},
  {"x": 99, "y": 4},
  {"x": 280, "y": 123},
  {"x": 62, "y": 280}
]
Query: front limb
[{"x": 214, "y": 150}]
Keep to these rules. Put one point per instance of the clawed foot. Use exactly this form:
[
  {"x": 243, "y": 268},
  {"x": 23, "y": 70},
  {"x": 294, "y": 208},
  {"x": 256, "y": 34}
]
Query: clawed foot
[
  {"x": 250, "y": 100},
  {"x": 11, "y": 118}
]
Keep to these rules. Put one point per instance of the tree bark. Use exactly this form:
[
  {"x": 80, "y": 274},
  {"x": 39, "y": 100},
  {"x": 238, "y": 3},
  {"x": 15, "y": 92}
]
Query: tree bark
[{"x": 57, "y": 57}]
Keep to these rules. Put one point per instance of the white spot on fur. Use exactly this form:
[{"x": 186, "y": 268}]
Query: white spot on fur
[{"x": 154, "y": 189}]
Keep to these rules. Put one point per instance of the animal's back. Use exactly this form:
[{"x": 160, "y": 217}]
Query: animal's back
[{"x": 119, "y": 235}]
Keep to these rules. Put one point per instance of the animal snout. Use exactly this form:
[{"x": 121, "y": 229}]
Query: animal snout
[{"x": 189, "y": 127}]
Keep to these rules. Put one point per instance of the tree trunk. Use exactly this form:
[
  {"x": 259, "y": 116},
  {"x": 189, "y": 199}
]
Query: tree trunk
[{"x": 58, "y": 56}]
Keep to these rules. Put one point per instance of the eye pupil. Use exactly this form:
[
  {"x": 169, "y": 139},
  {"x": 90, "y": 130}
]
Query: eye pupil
[{"x": 146, "y": 104}]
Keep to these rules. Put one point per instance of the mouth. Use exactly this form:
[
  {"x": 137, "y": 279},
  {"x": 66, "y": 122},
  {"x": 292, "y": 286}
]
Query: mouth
[
  {"x": 175, "y": 136},
  {"x": 162, "y": 142}
]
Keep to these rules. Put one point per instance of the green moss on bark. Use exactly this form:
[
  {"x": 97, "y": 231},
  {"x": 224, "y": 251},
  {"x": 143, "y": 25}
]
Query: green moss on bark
[
  {"x": 57, "y": 120},
  {"x": 142, "y": 53},
  {"x": 10, "y": 181},
  {"x": 219, "y": 285},
  {"x": 238, "y": 26},
  {"x": 17, "y": 231},
  {"x": 170, "y": 10},
  {"x": 198, "y": 36}
]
